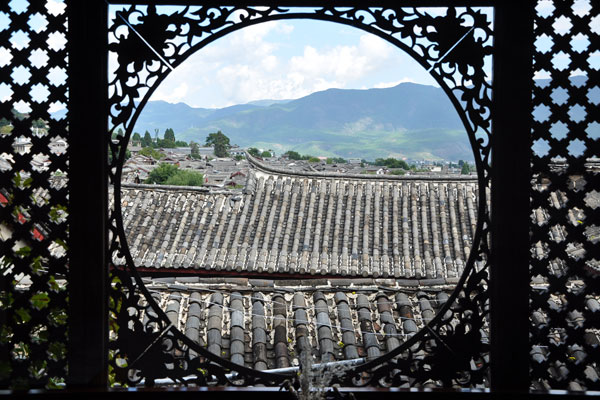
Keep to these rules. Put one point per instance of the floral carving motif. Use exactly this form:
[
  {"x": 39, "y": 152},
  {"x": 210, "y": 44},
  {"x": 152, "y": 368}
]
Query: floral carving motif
[{"x": 455, "y": 47}]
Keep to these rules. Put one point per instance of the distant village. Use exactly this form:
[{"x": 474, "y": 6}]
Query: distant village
[{"x": 230, "y": 171}]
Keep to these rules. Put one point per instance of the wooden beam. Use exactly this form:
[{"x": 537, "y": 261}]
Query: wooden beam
[
  {"x": 513, "y": 53},
  {"x": 88, "y": 191}
]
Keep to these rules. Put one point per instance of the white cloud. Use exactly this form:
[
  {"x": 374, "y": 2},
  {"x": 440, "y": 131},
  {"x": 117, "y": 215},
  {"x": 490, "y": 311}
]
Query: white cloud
[
  {"x": 54, "y": 107},
  {"x": 172, "y": 95},
  {"x": 264, "y": 62},
  {"x": 55, "y": 7},
  {"x": 344, "y": 63},
  {"x": 541, "y": 75},
  {"x": 382, "y": 85}
]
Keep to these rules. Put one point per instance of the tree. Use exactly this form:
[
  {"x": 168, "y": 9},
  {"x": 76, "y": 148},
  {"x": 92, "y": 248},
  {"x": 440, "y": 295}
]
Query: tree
[
  {"x": 265, "y": 154},
  {"x": 313, "y": 160},
  {"x": 169, "y": 174},
  {"x": 194, "y": 150},
  {"x": 392, "y": 163},
  {"x": 169, "y": 134},
  {"x": 185, "y": 178},
  {"x": 253, "y": 151},
  {"x": 151, "y": 152},
  {"x": 147, "y": 140},
  {"x": 217, "y": 137},
  {"x": 220, "y": 143},
  {"x": 38, "y": 123},
  {"x": 136, "y": 137},
  {"x": 161, "y": 173},
  {"x": 5, "y": 126},
  {"x": 336, "y": 160},
  {"x": 293, "y": 155},
  {"x": 465, "y": 170}
]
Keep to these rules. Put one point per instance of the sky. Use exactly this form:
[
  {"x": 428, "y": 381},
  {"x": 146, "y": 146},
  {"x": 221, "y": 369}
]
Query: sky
[
  {"x": 293, "y": 58},
  {"x": 38, "y": 58},
  {"x": 280, "y": 60},
  {"x": 287, "y": 60}
]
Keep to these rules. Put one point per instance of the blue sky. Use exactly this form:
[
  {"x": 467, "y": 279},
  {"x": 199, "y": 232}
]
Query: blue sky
[
  {"x": 38, "y": 58},
  {"x": 287, "y": 60},
  {"x": 282, "y": 60}
]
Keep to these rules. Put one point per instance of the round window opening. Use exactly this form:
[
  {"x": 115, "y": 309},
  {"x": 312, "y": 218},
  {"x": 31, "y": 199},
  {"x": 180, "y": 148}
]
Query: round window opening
[{"x": 300, "y": 193}]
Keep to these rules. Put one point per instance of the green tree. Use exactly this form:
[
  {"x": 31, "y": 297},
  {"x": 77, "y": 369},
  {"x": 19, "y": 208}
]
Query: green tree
[
  {"x": 238, "y": 157},
  {"x": 110, "y": 155},
  {"x": 161, "y": 173},
  {"x": 39, "y": 123},
  {"x": 253, "y": 151},
  {"x": 147, "y": 140},
  {"x": 136, "y": 137},
  {"x": 397, "y": 172},
  {"x": 265, "y": 154},
  {"x": 169, "y": 134},
  {"x": 165, "y": 143},
  {"x": 217, "y": 137},
  {"x": 180, "y": 143},
  {"x": 392, "y": 163},
  {"x": 116, "y": 134},
  {"x": 293, "y": 155},
  {"x": 465, "y": 170},
  {"x": 185, "y": 178},
  {"x": 5, "y": 128},
  {"x": 194, "y": 150},
  {"x": 313, "y": 160},
  {"x": 151, "y": 152},
  {"x": 336, "y": 160},
  {"x": 220, "y": 150},
  {"x": 220, "y": 143}
]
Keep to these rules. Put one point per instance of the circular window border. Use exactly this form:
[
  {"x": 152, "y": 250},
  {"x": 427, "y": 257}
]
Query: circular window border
[{"x": 446, "y": 60}]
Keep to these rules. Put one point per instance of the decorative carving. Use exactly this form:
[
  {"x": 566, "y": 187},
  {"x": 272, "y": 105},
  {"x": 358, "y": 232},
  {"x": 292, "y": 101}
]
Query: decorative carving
[
  {"x": 455, "y": 47},
  {"x": 565, "y": 195},
  {"x": 33, "y": 195}
]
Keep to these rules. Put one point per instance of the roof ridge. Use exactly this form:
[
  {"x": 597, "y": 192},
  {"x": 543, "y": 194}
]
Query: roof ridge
[
  {"x": 256, "y": 164},
  {"x": 167, "y": 188}
]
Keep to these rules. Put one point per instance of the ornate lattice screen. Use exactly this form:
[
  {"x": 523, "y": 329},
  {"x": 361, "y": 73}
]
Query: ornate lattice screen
[
  {"x": 33, "y": 193},
  {"x": 565, "y": 197},
  {"x": 564, "y": 227},
  {"x": 146, "y": 346}
]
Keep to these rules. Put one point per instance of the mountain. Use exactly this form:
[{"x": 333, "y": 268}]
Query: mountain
[{"x": 408, "y": 120}]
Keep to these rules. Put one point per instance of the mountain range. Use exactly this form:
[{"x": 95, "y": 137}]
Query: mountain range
[{"x": 408, "y": 120}]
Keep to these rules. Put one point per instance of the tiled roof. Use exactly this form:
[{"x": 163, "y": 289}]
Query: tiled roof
[
  {"x": 270, "y": 327},
  {"x": 307, "y": 224}
]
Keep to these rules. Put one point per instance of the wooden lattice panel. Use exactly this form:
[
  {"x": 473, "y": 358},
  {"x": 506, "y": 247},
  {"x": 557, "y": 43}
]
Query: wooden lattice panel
[
  {"x": 565, "y": 197},
  {"x": 33, "y": 193}
]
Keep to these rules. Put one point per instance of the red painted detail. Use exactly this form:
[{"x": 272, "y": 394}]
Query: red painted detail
[{"x": 37, "y": 235}]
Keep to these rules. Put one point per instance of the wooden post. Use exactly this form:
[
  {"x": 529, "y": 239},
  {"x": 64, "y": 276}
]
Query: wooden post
[
  {"x": 513, "y": 46},
  {"x": 88, "y": 191}
]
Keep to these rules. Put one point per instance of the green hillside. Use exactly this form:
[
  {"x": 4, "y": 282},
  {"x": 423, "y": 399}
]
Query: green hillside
[{"x": 408, "y": 120}]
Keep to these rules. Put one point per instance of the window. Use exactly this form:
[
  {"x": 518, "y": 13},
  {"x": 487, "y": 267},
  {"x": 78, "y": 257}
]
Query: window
[{"x": 59, "y": 238}]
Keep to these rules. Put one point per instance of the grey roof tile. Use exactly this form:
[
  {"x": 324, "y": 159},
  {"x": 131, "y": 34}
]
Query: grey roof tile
[{"x": 285, "y": 223}]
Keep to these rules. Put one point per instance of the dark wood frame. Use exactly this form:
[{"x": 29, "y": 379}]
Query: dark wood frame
[{"x": 88, "y": 364}]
